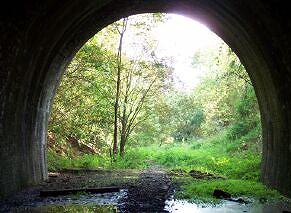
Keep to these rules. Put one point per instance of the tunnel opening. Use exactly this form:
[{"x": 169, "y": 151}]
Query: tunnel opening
[
  {"x": 41, "y": 71},
  {"x": 184, "y": 120},
  {"x": 94, "y": 55}
]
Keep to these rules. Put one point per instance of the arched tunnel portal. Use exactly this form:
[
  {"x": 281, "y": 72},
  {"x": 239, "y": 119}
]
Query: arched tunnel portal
[{"x": 39, "y": 38}]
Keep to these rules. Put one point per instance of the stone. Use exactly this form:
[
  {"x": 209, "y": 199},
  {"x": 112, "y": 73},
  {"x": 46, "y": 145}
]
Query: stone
[{"x": 220, "y": 194}]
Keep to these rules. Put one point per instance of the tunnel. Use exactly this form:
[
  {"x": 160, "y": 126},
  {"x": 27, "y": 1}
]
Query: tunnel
[{"x": 39, "y": 38}]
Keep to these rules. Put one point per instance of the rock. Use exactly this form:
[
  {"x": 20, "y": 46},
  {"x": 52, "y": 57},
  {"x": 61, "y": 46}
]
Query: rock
[
  {"x": 220, "y": 194},
  {"x": 263, "y": 200},
  {"x": 53, "y": 174}
]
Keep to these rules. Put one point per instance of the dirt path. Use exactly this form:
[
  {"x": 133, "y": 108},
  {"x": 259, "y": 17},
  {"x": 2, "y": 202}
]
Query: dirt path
[{"x": 149, "y": 192}]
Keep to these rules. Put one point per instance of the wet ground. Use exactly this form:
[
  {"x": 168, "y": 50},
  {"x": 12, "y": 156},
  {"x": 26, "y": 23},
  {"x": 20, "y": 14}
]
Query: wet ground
[
  {"x": 151, "y": 190},
  {"x": 179, "y": 206}
]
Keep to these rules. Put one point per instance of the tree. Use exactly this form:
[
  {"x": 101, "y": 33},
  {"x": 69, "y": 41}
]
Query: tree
[
  {"x": 135, "y": 77},
  {"x": 105, "y": 94},
  {"x": 121, "y": 33},
  {"x": 225, "y": 84},
  {"x": 224, "y": 99},
  {"x": 82, "y": 108},
  {"x": 142, "y": 82}
]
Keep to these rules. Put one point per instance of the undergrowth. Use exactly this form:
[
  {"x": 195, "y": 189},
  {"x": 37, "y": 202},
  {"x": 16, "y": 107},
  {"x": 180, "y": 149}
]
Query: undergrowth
[
  {"x": 216, "y": 155},
  {"x": 237, "y": 160}
]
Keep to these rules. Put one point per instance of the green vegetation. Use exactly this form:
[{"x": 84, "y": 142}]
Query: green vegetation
[
  {"x": 201, "y": 191},
  {"x": 214, "y": 128},
  {"x": 216, "y": 155}
]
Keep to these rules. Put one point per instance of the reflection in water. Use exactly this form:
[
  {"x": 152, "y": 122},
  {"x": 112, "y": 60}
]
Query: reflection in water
[
  {"x": 75, "y": 208},
  {"x": 106, "y": 202},
  {"x": 185, "y": 206},
  {"x": 109, "y": 202},
  {"x": 176, "y": 206}
]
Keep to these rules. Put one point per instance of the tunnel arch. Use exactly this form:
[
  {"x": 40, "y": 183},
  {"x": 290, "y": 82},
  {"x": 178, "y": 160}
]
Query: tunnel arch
[{"x": 42, "y": 45}]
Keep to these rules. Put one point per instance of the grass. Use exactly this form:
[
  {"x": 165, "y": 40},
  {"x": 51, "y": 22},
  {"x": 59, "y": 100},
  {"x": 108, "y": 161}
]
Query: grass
[
  {"x": 201, "y": 191},
  {"x": 209, "y": 158},
  {"x": 57, "y": 162},
  {"x": 236, "y": 160}
]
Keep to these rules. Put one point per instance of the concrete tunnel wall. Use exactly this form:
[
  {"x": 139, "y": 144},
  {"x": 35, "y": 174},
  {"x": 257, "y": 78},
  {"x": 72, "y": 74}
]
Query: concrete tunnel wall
[{"x": 39, "y": 38}]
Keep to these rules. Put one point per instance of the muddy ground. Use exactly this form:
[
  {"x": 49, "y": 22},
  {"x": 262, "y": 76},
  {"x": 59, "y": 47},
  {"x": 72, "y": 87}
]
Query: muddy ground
[
  {"x": 140, "y": 191},
  {"x": 147, "y": 190}
]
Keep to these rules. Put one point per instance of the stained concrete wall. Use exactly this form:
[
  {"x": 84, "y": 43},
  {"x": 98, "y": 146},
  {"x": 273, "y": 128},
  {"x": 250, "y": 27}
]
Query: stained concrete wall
[{"x": 39, "y": 38}]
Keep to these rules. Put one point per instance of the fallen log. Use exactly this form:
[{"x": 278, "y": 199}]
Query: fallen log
[{"x": 54, "y": 193}]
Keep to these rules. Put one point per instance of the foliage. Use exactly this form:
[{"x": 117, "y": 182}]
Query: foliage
[
  {"x": 84, "y": 109},
  {"x": 86, "y": 161},
  {"x": 225, "y": 99},
  {"x": 246, "y": 114},
  {"x": 82, "y": 106},
  {"x": 223, "y": 90},
  {"x": 149, "y": 108},
  {"x": 137, "y": 79}
]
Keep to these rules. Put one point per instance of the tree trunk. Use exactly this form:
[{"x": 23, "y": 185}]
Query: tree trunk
[
  {"x": 115, "y": 136},
  {"x": 118, "y": 82},
  {"x": 124, "y": 118},
  {"x": 122, "y": 141}
]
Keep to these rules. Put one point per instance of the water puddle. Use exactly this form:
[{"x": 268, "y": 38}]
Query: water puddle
[
  {"x": 106, "y": 202},
  {"x": 74, "y": 208},
  {"x": 176, "y": 206},
  {"x": 186, "y": 206},
  {"x": 111, "y": 202}
]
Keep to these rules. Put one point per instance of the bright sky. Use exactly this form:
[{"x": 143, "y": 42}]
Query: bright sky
[{"x": 181, "y": 37}]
